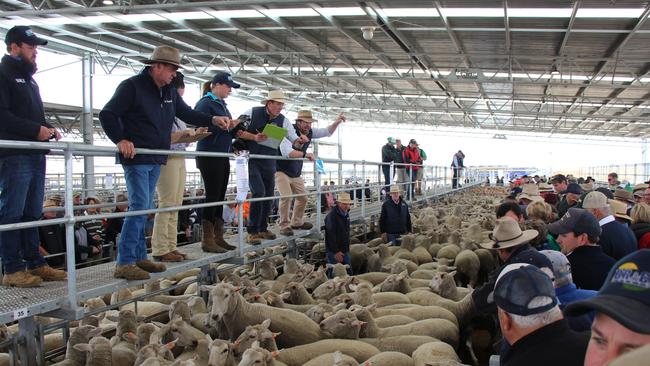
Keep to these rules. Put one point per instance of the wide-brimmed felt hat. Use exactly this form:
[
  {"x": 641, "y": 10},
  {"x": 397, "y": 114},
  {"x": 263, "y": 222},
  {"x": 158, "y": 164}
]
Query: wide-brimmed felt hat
[
  {"x": 507, "y": 233},
  {"x": 640, "y": 187},
  {"x": 276, "y": 96},
  {"x": 166, "y": 55},
  {"x": 619, "y": 209},
  {"x": 530, "y": 197},
  {"x": 394, "y": 189},
  {"x": 344, "y": 197},
  {"x": 623, "y": 195},
  {"x": 306, "y": 116},
  {"x": 545, "y": 187}
]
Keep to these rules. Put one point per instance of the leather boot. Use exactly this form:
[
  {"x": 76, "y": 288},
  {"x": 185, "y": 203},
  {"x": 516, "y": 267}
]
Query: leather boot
[
  {"x": 207, "y": 242},
  {"x": 218, "y": 236}
]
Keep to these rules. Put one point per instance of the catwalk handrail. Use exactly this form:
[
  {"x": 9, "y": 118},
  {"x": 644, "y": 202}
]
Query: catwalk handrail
[{"x": 70, "y": 148}]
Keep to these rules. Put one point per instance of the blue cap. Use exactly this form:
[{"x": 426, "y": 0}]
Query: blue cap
[
  {"x": 22, "y": 34},
  {"x": 224, "y": 78},
  {"x": 573, "y": 188},
  {"x": 576, "y": 220},
  {"x": 515, "y": 290},
  {"x": 625, "y": 295}
]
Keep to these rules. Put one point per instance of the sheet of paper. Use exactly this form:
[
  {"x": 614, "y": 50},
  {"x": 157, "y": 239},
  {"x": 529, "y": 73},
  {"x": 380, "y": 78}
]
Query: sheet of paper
[
  {"x": 275, "y": 135},
  {"x": 241, "y": 173}
]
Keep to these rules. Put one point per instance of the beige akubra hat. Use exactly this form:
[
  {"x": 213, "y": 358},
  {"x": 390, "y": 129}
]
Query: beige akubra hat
[
  {"x": 508, "y": 234},
  {"x": 166, "y": 55},
  {"x": 276, "y": 96},
  {"x": 344, "y": 198}
]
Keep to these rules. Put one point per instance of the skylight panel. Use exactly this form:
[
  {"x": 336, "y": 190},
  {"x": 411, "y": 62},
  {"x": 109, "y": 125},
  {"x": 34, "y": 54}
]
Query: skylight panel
[
  {"x": 342, "y": 11},
  {"x": 293, "y": 12},
  {"x": 187, "y": 15},
  {"x": 408, "y": 12},
  {"x": 473, "y": 12},
  {"x": 609, "y": 13},
  {"x": 539, "y": 12},
  {"x": 227, "y": 14}
]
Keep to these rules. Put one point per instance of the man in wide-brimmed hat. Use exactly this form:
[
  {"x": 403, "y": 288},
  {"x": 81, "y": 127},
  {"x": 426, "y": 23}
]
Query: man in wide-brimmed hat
[
  {"x": 395, "y": 218},
  {"x": 141, "y": 114},
  {"x": 261, "y": 172},
  {"x": 529, "y": 193},
  {"x": 288, "y": 177},
  {"x": 616, "y": 239},
  {"x": 337, "y": 231}
]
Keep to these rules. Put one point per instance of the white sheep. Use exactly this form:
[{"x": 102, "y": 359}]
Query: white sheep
[
  {"x": 255, "y": 333},
  {"x": 82, "y": 334},
  {"x": 383, "y": 299},
  {"x": 435, "y": 353},
  {"x": 298, "y": 295},
  {"x": 389, "y": 359},
  {"x": 98, "y": 352},
  {"x": 256, "y": 356},
  {"x": 392, "y": 320},
  {"x": 467, "y": 267},
  {"x": 403, "y": 344},
  {"x": 444, "y": 285},
  {"x": 300, "y": 355},
  {"x": 334, "y": 359}
]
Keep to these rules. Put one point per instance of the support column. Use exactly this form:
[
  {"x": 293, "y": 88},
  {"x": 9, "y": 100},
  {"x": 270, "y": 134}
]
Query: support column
[
  {"x": 644, "y": 160},
  {"x": 28, "y": 349},
  {"x": 87, "y": 127},
  {"x": 340, "y": 150}
]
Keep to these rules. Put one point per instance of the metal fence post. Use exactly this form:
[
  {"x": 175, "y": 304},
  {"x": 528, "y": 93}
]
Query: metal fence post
[
  {"x": 319, "y": 201},
  {"x": 363, "y": 189},
  {"x": 69, "y": 231},
  {"x": 240, "y": 229}
]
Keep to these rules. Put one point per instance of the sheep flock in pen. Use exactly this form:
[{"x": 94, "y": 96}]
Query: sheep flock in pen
[{"x": 405, "y": 305}]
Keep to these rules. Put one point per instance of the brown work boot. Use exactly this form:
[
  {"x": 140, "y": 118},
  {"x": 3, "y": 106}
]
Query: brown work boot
[
  {"x": 48, "y": 273},
  {"x": 130, "y": 272},
  {"x": 266, "y": 235},
  {"x": 207, "y": 241},
  {"x": 177, "y": 252},
  {"x": 286, "y": 231},
  {"x": 304, "y": 226},
  {"x": 21, "y": 279},
  {"x": 254, "y": 239},
  {"x": 169, "y": 257},
  {"x": 150, "y": 266},
  {"x": 218, "y": 236}
]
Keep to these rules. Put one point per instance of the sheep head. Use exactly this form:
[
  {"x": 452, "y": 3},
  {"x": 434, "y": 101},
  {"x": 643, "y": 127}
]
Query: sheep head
[
  {"x": 256, "y": 333},
  {"x": 225, "y": 299},
  {"x": 314, "y": 279},
  {"x": 257, "y": 356},
  {"x": 329, "y": 289},
  {"x": 220, "y": 352},
  {"x": 179, "y": 308},
  {"x": 319, "y": 312},
  {"x": 343, "y": 325}
]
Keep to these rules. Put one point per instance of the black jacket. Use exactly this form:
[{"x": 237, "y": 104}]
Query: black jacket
[
  {"x": 220, "y": 140},
  {"x": 21, "y": 107},
  {"x": 639, "y": 229},
  {"x": 617, "y": 240},
  {"x": 52, "y": 238},
  {"x": 142, "y": 113},
  {"x": 388, "y": 153},
  {"x": 589, "y": 266},
  {"x": 398, "y": 157},
  {"x": 395, "y": 217},
  {"x": 337, "y": 231},
  {"x": 553, "y": 344}
]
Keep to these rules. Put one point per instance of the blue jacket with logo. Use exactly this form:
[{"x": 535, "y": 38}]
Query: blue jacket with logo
[
  {"x": 21, "y": 107},
  {"x": 220, "y": 140},
  {"x": 142, "y": 113}
]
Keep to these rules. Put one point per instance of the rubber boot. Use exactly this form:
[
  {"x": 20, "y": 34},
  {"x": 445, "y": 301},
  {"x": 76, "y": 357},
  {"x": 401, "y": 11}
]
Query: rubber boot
[{"x": 218, "y": 236}]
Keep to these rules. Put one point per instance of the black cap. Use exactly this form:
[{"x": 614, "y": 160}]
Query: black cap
[
  {"x": 224, "y": 78},
  {"x": 22, "y": 34},
  {"x": 578, "y": 221},
  {"x": 625, "y": 295},
  {"x": 515, "y": 290},
  {"x": 413, "y": 142},
  {"x": 573, "y": 188}
]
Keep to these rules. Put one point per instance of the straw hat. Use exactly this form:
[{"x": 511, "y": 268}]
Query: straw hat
[
  {"x": 530, "y": 192},
  {"x": 166, "y": 55},
  {"x": 49, "y": 203},
  {"x": 344, "y": 197},
  {"x": 545, "y": 187},
  {"x": 276, "y": 96},
  {"x": 623, "y": 195},
  {"x": 619, "y": 209},
  {"x": 394, "y": 189},
  {"x": 640, "y": 187},
  {"x": 508, "y": 234},
  {"x": 306, "y": 116},
  {"x": 587, "y": 187}
]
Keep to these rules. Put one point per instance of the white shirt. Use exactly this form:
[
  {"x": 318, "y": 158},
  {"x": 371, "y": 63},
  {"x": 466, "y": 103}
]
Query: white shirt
[
  {"x": 286, "y": 147},
  {"x": 606, "y": 220}
]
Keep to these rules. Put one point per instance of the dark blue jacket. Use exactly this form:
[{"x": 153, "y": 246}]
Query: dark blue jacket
[
  {"x": 220, "y": 140},
  {"x": 570, "y": 293},
  {"x": 617, "y": 240},
  {"x": 395, "y": 217},
  {"x": 21, "y": 107},
  {"x": 293, "y": 168},
  {"x": 589, "y": 266},
  {"x": 142, "y": 113},
  {"x": 337, "y": 231},
  {"x": 259, "y": 119}
]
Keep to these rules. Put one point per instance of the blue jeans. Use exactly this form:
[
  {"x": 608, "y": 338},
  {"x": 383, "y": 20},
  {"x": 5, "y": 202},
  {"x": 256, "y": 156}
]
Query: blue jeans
[
  {"x": 141, "y": 184},
  {"x": 261, "y": 181},
  {"x": 394, "y": 239},
  {"x": 332, "y": 260},
  {"x": 22, "y": 182},
  {"x": 386, "y": 170}
]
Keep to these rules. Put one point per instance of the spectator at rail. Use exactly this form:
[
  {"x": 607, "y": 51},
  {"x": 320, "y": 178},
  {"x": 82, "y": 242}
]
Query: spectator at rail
[
  {"x": 457, "y": 165},
  {"x": 566, "y": 291},
  {"x": 411, "y": 156},
  {"x": 616, "y": 239},
  {"x": 114, "y": 225},
  {"x": 613, "y": 182},
  {"x": 366, "y": 192},
  {"x": 215, "y": 171},
  {"x": 388, "y": 153},
  {"x": 419, "y": 184},
  {"x": 52, "y": 237},
  {"x": 22, "y": 172},
  {"x": 638, "y": 192},
  {"x": 394, "y": 219},
  {"x": 641, "y": 224},
  {"x": 76, "y": 202},
  {"x": 95, "y": 227},
  {"x": 141, "y": 114},
  {"x": 337, "y": 232},
  {"x": 619, "y": 211},
  {"x": 261, "y": 172},
  {"x": 84, "y": 247},
  {"x": 510, "y": 209},
  {"x": 229, "y": 215},
  {"x": 531, "y": 320},
  {"x": 578, "y": 232},
  {"x": 400, "y": 170},
  {"x": 622, "y": 306},
  {"x": 288, "y": 177}
]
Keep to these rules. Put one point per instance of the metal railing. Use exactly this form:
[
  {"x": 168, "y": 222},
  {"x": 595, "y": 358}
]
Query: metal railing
[
  {"x": 434, "y": 180},
  {"x": 632, "y": 173}
]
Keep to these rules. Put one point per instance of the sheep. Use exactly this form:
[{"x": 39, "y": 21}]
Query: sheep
[
  {"x": 435, "y": 353},
  {"x": 389, "y": 298},
  {"x": 374, "y": 278},
  {"x": 423, "y": 274},
  {"x": 315, "y": 279},
  {"x": 422, "y": 255},
  {"x": 329, "y": 289},
  {"x": 343, "y": 325},
  {"x": 335, "y": 359},
  {"x": 396, "y": 283},
  {"x": 255, "y": 333},
  {"x": 199, "y": 355},
  {"x": 319, "y": 312},
  {"x": 267, "y": 269},
  {"x": 144, "y": 332},
  {"x": 228, "y": 305},
  {"x": 180, "y": 308},
  {"x": 443, "y": 284},
  {"x": 449, "y": 251},
  {"x": 276, "y": 301},
  {"x": 155, "y": 350},
  {"x": 145, "y": 308},
  {"x": 362, "y": 294},
  {"x": 488, "y": 263},
  {"x": 433, "y": 249},
  {"x": 392, "y": 320},
  {"x": 290, "y": 266},
  {"x": 404, "y": 344},
  {"x": 298, "y": 295},
  {"x": 339, "y": 269},
  {"x": 389, "y": 359},
  {"x": 186, "y": 334},
  {"x": 124, "y": 349},
  {"x": 82, "y": 334},
  {"x": 406, "y": 255},
  {"x": 97, "y": 351},
  {"x": 467, "y": 266},
  {"x": 300, "y": 355},
  {"x": 256, "y": 356},
  {"x": 374, "y": 263},
  {"x": 343, "y": 299},
  {"x": 221, "y": 353},
  {"x": 463, "y": 309},
  {"x": 359, "y": 254}
]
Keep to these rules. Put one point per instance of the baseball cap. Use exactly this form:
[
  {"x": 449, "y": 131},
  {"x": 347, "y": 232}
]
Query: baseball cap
[
  {"x": 595, "y": 200},
  {"x": 625, "y": 295},
  {"x": 413, "y": 142},
  {"x": 572, "y": 188},
  {"x": 515, "y": 290},
  {"x": 224, "y": 78},
  {"x": 391, "y": 140},
  {"x": 23, "y": 34},
  {"x": 576, "y": 220},
  {"x": 561, "y": 267}
]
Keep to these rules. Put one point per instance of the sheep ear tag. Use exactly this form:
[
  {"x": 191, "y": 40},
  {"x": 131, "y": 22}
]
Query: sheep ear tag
[
  {"x": 275, "y": 354},
  {"x": 170, "y": 345},
  {"x": 275, "y": 335}
]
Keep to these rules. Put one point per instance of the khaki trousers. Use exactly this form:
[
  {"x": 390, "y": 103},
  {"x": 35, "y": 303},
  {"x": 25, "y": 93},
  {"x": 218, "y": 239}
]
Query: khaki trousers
[
  {"x": 170, "y": 188},
  {"x": 288, "y": 186}
]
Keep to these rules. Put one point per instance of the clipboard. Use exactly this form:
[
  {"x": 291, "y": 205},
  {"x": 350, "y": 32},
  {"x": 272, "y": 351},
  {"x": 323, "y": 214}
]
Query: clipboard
[
  {"x": 275, "y": 135},
  {"x": 188, "y": 139}
]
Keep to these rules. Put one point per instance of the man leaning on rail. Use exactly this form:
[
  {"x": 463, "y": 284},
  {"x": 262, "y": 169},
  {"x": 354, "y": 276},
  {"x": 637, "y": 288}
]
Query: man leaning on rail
[
  {"x": 22, "y": 172},
  {"x": 140, "y": 115}
]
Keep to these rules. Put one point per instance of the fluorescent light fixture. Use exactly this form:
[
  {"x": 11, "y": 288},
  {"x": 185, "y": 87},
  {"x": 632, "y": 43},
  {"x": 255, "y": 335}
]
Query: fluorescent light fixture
[
  {"x": 472, "y": 12},
  {"x": 108, "y": 2},
  {"x": 539, "y": 12},
  {"x": 342, "y": 11},
  {"x": 227, "y": 14},
  {"x": 294, "y": 12},
  {"x": 95, "y": 19},
  {"x": 408, "y": 12},
  {"x": 144, "y": 17},
  {"x": 609, "y": 13},
  {"x": 186, "y": 15}
]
